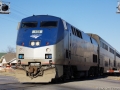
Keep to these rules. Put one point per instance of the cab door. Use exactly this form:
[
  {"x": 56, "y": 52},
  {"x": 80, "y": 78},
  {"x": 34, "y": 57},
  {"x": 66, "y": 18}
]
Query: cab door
[{"x": 67, "y": 42}]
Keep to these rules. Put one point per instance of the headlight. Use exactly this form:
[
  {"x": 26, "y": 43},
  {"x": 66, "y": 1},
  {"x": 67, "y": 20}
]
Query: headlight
[
  {"x": 37, "y": 43},
  {"x": 32, "y": 43}
]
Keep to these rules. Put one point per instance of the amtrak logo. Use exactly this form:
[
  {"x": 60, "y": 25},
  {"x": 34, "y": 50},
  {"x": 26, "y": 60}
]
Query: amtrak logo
[{"x": 35, "y": 36}]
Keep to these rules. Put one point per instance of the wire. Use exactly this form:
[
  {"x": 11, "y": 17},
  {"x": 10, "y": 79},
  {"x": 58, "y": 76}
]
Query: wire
[
  {"x": 17, "y": 15},
  {"x": 8, "y": 19},
  {"x": 14, "y": 16},
  {"x": 20, "y": 12},
  {"x": 23, "y": 9}
]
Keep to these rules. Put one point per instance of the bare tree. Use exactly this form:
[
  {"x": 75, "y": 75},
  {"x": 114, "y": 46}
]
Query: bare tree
[{"x": 10, "y": 49}]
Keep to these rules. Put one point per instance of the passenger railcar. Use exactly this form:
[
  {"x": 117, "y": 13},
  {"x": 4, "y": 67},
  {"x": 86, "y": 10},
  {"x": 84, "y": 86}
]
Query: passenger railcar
[
  {"x": 109, "y": 58},
  {"x": 49, "y": 48}
]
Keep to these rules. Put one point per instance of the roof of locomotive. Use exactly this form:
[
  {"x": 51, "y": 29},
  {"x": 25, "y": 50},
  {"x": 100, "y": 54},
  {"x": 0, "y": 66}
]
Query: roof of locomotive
[{"x": 38, "y": 16}]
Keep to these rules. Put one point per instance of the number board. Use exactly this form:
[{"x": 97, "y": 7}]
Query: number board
[{"x": 37, "y": 31}]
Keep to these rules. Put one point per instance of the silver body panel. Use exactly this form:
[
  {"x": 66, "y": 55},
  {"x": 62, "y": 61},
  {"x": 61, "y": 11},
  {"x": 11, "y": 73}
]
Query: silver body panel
[{"x": 107, "y": 58}]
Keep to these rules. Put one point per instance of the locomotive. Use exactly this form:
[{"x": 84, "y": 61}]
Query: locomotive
[{"x": 49, "y": 48}]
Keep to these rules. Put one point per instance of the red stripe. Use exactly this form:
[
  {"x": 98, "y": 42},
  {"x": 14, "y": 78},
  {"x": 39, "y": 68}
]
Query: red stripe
[{"x": 111, "y": 70}]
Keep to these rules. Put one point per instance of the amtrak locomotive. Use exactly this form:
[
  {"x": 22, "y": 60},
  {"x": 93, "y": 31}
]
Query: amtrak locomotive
[{"x": 49, "y": 48}]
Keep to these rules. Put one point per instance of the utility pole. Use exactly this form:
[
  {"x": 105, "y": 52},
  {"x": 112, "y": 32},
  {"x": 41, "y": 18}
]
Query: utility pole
[{"x": 4, "y": 7}]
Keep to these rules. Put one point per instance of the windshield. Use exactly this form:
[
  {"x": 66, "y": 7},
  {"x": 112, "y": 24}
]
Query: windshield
[
  {"x": 29, "y": 24},
  {"x": 48, "y": 24}
]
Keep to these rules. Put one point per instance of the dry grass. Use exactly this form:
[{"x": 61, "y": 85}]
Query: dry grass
[
  {"x": 114, "y": 77},
  {"x": 7, "y": 72}
]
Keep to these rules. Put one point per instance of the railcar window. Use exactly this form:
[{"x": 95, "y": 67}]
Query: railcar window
[
  {"x": 79, "y": 34},
  {"x": 91, "y": 40},
  {"x": 86, "y": 37},
  {"x": 75, "y": 32},
  {"x": 104, "y": 46},
  {"x": 111, "y": 50},
  {"x": 100, "y": 43},
  {"x": 72, "y": 29},
  {"x": 94, "y": 42},
  {"x": 118, "y": 55},
  {"x": 48, "y": 24},
  {"x": 28, "y": 24}
]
